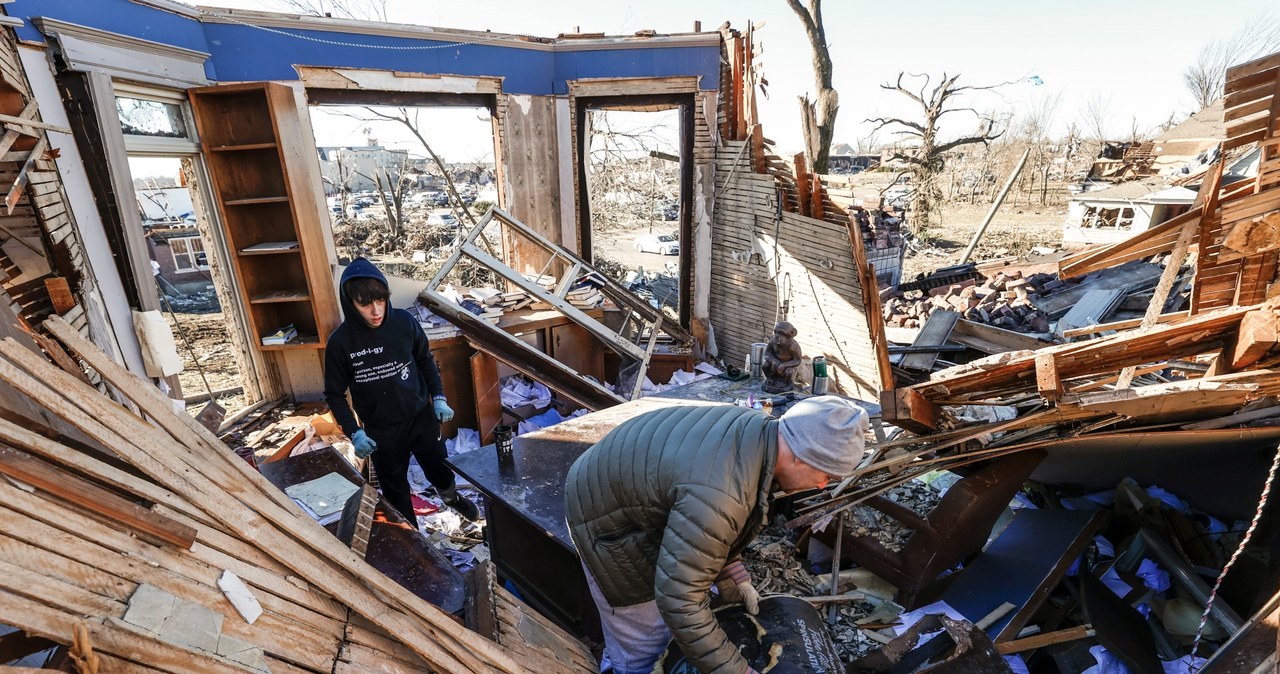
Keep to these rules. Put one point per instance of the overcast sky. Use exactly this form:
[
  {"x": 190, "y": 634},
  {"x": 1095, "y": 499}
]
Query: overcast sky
[{"x": 1130, "y": 53}]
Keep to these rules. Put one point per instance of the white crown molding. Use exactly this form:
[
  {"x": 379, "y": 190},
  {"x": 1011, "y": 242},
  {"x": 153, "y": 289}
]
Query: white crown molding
[
  {"x": 416, "y": 32},
  {"x": 125, "y": 57}
]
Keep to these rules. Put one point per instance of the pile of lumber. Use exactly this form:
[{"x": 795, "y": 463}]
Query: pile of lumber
[
  {"x": 129, "y": 524},
  {"x": 1054, "y": 373}
]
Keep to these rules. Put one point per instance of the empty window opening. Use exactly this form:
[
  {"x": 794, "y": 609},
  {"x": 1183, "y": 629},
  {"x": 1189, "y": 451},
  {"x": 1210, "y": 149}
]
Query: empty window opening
[
  {"x": 633, "y": 194},
  {"x": 404, "y": 183},
  {"x": 180, "y": 264}
]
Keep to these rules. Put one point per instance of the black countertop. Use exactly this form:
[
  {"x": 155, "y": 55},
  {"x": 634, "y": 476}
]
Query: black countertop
[{"x": 532, "y": 482}]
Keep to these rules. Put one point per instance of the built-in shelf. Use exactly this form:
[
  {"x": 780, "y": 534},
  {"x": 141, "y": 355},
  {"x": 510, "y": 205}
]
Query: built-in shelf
[
  {"x": 280, "y": 296},
  {"x": 305, "y": 342},
  {"x": 256, "y": 200},
  {"x": 241, "y": 148},
  {"x": 271, "y": 248},
  {"x": 276, "y": 236}
]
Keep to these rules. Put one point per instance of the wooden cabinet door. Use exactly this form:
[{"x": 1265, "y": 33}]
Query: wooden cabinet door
[
  {"x": 484, "y": 377},
  {"x": 572, "y": 345}
]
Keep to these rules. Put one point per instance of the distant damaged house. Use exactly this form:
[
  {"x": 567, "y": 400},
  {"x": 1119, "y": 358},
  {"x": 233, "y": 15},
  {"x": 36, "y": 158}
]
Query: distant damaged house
[
  {"x": 1135, "y": 186},
  {"x": 1120, "y": 211}
]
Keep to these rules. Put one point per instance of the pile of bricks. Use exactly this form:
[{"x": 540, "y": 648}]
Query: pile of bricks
[{"x": 1003, "y": 300}]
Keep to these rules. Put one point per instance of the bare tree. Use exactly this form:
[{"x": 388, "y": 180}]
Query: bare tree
[
  {"x": 392, "y": 186},
  {"x": 630, "y": 172},
  {"x": 410, "y": 121},
  {"x": 818, "y": 120},
  {"x": 1034, "y": 133},
  {"x": 925, "y": 158},
  {"x": 1096, "y": 117},
  {"x": 364, "y": 10},
  {"x": 1206, "y": 77}
]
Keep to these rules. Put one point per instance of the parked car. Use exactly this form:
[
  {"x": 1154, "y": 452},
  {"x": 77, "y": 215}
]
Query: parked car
[
  {"x": 662, "y": 244},
  {"x": 899, "y": 196},
  {"x": 443, "y": 220}
]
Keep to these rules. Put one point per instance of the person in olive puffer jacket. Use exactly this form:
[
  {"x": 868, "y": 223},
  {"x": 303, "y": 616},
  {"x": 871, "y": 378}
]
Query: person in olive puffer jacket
[{"x": 661, "y": 508}]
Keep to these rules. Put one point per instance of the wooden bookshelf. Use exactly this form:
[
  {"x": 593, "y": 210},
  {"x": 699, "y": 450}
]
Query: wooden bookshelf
[{"x": 257, "y": 144}]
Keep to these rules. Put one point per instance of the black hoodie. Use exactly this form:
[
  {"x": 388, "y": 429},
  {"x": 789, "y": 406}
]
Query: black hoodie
[{"x": 388, "y": 369}]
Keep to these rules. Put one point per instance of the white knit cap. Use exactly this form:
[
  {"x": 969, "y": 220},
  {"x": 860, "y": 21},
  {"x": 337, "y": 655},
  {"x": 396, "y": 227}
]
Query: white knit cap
[{"x": 826, "y": 432}]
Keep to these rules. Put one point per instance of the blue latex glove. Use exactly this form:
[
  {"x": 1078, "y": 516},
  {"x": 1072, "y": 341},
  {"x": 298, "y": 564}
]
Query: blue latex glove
[
  {"x": 443, "y": 411},
  {"x": 363, "y": 443}
]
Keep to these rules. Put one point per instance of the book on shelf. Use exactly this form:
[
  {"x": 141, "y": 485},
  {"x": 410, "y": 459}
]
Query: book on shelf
[
  {"x": 281, "y": 336},
  {"x": 271, "y": 247}
]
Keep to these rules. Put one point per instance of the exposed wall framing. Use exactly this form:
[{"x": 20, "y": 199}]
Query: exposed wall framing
[
  {"x": 769, "y": 265},
  {"x": 37, "y": 217}
]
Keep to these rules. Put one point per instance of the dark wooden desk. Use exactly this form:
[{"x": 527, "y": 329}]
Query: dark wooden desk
[
  {"x": 395, "y": 548},
  {"x": 524, "y": 498}
]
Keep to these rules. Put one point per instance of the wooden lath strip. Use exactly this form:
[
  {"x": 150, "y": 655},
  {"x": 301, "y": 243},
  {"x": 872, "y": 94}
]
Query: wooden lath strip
[
  {"x": 1244, "y": 71},
  {"x": 1241, "y": 141},
  {"x": 1248, "y": 109}
]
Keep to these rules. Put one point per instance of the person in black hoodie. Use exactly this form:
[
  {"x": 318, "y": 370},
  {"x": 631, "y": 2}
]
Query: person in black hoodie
[{"x": 381, "y": 355}]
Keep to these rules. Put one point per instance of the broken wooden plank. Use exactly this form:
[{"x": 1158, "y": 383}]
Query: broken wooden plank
[
  {"x": 60, "y": 294},
  {"x": 95, "y": 499},
  {"x": 934, "y": 333},
  {"x": 1258, "y": 335},
  {"x": 1048, "y": 383},
  {"x": 1122, "y": 325},
  {"x": 906, "y": 408},
  {"x": 1016, "y": 371}
]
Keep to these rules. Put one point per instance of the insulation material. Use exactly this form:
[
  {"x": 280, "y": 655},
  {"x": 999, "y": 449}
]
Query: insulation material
[{"x": 159, "y": 351}]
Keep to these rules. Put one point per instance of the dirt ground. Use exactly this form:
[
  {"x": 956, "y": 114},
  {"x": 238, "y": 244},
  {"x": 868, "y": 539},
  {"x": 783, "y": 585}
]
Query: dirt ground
[
  {"x": 207, "y": 334},
  {"x": 1014, "y": 231}
]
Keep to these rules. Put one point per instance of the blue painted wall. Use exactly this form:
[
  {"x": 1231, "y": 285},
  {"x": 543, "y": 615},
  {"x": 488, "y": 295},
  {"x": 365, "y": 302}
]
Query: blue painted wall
[{"x": 242, "y": 53}]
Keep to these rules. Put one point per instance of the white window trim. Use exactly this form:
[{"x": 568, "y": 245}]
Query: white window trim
[
  {"x": 196, "y": 267},
  {"x": 154, "y": 145},
  {"x": 123, "y": 57}
]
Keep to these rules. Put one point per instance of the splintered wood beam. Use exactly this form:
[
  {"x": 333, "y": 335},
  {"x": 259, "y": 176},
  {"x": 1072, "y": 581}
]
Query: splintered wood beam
[
  {"x": 148, "y": 525},
  {"x": 802, "y": 184},
  {"x": 1259, "y": 333},
  {"x": 19, "y": 185},
  {"x": 907, "y": 408},
  {"x": 60, "y": 294},
  {"x": 1048, "y": 383}
]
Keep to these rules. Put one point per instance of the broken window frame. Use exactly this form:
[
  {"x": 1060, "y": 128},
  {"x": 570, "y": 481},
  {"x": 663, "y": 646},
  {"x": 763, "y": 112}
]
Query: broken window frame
[
  {"x": 192, "y": 256},
  {"x": 1119, "y": 218},
  {"x": 685, "y": 103}
]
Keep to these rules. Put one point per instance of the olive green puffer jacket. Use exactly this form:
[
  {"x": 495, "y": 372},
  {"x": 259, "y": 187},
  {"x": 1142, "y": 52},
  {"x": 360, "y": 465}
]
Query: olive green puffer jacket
[{"x": 659, "y": 505}]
